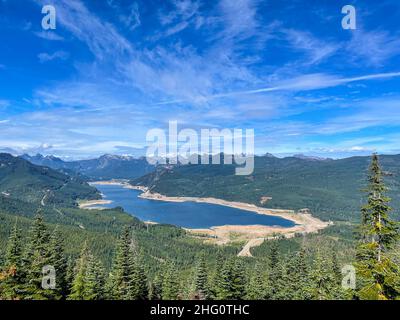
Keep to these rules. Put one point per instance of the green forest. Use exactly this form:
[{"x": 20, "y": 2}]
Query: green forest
[
  {"x": 108, "y": 254},
  {"x": 329, "y": 188}
]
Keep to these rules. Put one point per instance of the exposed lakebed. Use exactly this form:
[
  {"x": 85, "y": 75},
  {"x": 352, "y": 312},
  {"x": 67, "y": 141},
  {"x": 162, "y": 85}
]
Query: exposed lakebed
[{"x": 188, "y": 214}]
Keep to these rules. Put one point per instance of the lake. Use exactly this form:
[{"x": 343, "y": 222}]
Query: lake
[{"x": 185, "y": 214}]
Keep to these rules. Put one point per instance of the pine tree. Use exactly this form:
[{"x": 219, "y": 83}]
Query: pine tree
[
  {"x": 128, "y": 278},
  {"x": 36, "y": 257},
  {"x": 58, "y": 260},
  {"x": 216, "y": 276},
  {"x": 170, "y": 287},
  {"x": 122, "y": 268},
  {"x": 280, "y": 285},
  {"x": 275, "y": 270},
  {"x": 69, "y": 275},
  {"x": 377, "y": 274},
  {"x": 294, "y": 276},
  {"x": 139, "y": 290},
  {"x": 12, "y": 276},
  {"x": 95, "y": 280},
  {"x": 232, "y": 283},
  {"x": 258, "y": 288},
  {"x": 201, "y": 281},
  {"x": 298, "y": 281},
  {"x": 155, "y": 291},
  {"x": 223, "y": 288},
  {"x": 322, "y": 280},
  {"x": 273, "y": 255},
  {"x": 335, "y": 267},
  {"x": 79, "y": 282},
  {"x": 238, "y": 280}
]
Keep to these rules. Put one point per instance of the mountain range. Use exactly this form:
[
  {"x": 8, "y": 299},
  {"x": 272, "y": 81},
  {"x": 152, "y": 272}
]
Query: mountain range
[{"x": 105, "y": 167}]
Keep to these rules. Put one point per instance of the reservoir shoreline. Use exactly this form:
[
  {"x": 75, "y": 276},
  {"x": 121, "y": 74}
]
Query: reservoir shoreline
[{"x": 255, "y": 234}]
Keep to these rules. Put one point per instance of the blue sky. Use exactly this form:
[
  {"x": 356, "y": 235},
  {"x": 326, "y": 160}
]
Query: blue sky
[{"x": 113, "y": 69}]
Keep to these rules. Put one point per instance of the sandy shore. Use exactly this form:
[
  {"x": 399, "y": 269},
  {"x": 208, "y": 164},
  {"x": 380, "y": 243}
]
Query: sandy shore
[
  {"x": 123, "y": 183},
  {"x": 304, "y": 221},
  {"x": 91, "y": 204},
  {"x": 253, "y": 235}
]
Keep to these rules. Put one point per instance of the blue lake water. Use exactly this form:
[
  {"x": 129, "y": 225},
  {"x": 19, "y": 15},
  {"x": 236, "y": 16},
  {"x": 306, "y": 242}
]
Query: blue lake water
[{"x": 184, "y": 214}]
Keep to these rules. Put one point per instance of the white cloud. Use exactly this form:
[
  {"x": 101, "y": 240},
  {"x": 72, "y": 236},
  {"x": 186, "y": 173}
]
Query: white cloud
[
  {"x": 315, "y": 49},
  {"x": 45, "y": 57},
  {"x": 319, "y": 81},
  {"x": 102, "y": 38},
  {"x": 132, "y": 19},
  {"x": 374, "y": 47},
  {"x": 239, "y": 17},
  {"x": 49, "y": 35}
]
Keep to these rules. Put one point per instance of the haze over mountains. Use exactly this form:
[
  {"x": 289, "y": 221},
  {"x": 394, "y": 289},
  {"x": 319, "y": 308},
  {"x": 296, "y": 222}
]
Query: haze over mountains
[
  {"x": 103, "y": 168},
  {"x": 109, "y": 166}
]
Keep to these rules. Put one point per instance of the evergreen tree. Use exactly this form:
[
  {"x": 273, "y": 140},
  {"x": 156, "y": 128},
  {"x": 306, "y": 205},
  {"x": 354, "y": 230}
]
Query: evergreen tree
[
  {"x": 201, "y": 281},
  {"x": 238, "y": 280},
  {"x": 275, "y": 270},
  {"x": 155, "y": 291},
  {"x": 298, "y": 276},
  {"x": 258, "y": 288},
  {"x": 216, "y": 276},
  {"x": 122, "y": 269},
  {"x": 322, "y": 280},
  {"x": 58, "y": 260},
  {"x": 377, "y": 274},
  {"x": 170, "y": 287},
  {"x": 223, "y": 288},
  {"x": 128, "y": 278},
  {"x": 95, "y": 280},
  {"x": 231, "y": 284},
  {"x": 336, "y": 268},
  {"x": 11, "y": 276},
  {"x": 79, "y": 282},
  {"x": 280, "y": 288},
  {"x": 36, "y": 257},
  {"x": 69, "y": 275},
  {"x": 139, "y": 289}
]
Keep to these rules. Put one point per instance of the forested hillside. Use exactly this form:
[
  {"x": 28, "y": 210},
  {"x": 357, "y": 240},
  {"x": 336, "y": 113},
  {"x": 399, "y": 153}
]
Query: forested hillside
[
  {"x": 330, "y": 188},
  {"x": 25, "y": 185},
  {"x": 108, "y": 254},
  {"x": 161, "y": 262}
]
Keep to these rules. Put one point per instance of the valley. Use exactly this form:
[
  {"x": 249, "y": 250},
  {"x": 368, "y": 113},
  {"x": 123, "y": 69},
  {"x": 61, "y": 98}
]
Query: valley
[
  {"x": 220, "y": 232},
  {"x": 180, "y": 226}
]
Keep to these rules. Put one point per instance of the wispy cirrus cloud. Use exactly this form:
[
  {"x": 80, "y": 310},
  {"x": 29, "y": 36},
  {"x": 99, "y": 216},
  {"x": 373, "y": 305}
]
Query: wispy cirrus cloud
[
  {"x": 373, "y": 47},
  {"x": 222, "y": 64},
  {"x": 315, "y": 50},
  {"x": 102, "y": 38}
]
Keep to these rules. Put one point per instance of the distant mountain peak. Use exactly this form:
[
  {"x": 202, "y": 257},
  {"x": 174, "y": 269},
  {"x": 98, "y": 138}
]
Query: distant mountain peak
[
  {"x": 108, "y": 156},
  {"x": 269, "y": 155},
  {"x": 313, "y": 158}
]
